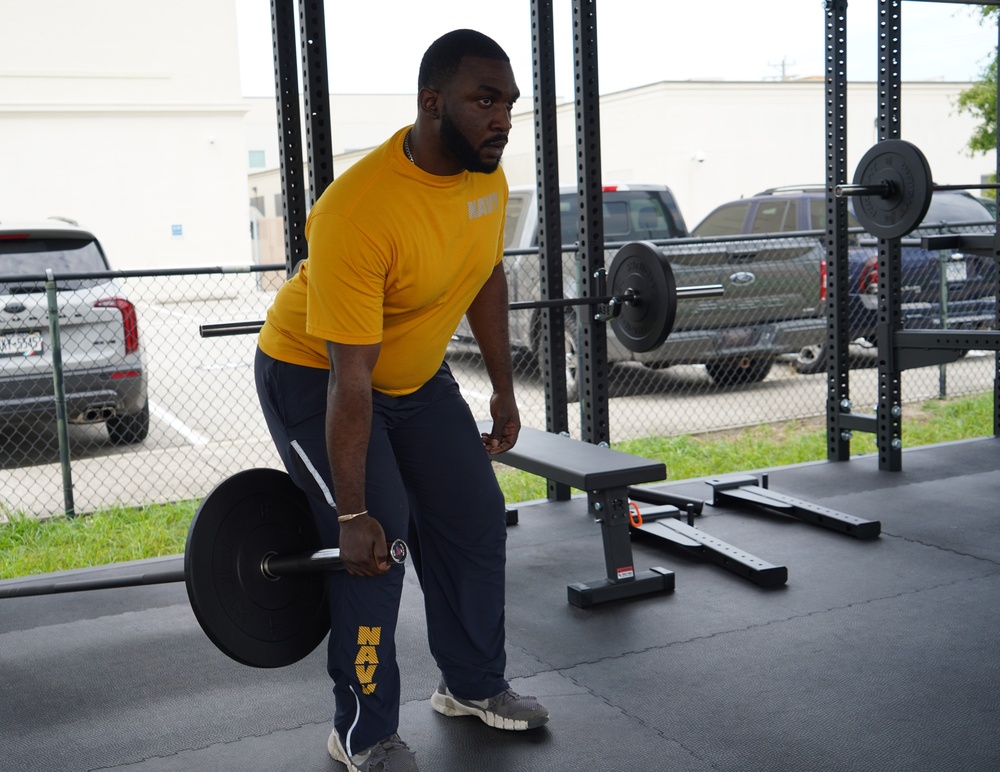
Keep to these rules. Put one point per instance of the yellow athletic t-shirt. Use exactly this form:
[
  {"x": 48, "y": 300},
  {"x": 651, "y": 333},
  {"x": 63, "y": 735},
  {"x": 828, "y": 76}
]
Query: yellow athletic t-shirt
[{"x": 396, "y": 256}]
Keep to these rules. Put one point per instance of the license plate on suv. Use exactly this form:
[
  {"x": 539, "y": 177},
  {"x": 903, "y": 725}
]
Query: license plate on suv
[{"x": 21, "y": 344}]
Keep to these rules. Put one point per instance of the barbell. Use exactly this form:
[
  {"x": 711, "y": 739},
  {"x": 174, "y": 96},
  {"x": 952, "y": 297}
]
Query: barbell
[
  {"x": 254, "y": 577},
  {"x": 642, "y": 305},
  {"x": 641, "y": 308},
  {"x": 893, "y": 188}
]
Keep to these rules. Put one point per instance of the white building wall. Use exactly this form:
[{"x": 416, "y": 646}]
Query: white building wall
[
  {"x": 359, "y": 122},
  {"x": 713, "y": 142},
  {"x": 127, "y": 117}
]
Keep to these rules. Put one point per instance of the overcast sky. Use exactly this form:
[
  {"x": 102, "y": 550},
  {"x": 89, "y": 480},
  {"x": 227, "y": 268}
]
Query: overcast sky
[{"x": 375, "y": 46}]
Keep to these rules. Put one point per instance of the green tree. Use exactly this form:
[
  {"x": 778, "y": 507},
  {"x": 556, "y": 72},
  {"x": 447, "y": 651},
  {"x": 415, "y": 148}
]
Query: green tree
[{"x": 981, "y": 99}]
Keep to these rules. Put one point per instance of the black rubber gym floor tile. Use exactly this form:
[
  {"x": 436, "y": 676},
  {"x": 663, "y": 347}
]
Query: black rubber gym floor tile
[
  {"x": 905, "y": 683},
  {"x": 876, "y": 655}
]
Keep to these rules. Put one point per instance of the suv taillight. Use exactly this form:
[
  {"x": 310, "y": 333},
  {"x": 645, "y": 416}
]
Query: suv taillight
[
  {"x": 822, "y": 280},
  {"x": 868, "y": 281},
  {"x": 130, "y": 321}
]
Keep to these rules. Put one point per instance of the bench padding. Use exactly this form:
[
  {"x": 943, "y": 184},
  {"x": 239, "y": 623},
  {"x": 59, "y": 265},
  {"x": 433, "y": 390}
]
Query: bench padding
[{"x": 578, "y": 464}]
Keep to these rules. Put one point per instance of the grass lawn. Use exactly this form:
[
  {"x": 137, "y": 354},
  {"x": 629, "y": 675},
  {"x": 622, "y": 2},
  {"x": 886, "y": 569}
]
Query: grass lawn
[{"x": 29, "y": 546}]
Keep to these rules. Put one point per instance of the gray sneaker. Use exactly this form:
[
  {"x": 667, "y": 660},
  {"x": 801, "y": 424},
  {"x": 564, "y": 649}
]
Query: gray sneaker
[
  {"x": 390, "y": 755},
  {"x": 507, "y": 710}
]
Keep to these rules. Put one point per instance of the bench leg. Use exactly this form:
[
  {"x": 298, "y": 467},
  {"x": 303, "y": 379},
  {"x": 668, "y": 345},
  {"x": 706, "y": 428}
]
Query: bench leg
[{"x": 610, "y": 507}]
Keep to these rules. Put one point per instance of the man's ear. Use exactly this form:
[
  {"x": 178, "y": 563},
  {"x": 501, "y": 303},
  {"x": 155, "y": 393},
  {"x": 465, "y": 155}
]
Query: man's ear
[{"x": 429, "y": 102}]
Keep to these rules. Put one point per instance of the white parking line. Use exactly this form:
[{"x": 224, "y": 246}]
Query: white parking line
[
  {"x": 177, "y": 425},
  {"x": 156, "y": 307}
]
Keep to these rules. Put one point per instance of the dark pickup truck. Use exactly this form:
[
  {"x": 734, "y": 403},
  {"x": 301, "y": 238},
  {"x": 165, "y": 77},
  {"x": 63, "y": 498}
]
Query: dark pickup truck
[
  {"x": 964, "y": 300},
  {"x": 771, "y": 305}
]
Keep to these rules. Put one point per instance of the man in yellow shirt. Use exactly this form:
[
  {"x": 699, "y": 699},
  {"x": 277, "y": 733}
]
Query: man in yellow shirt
[{"x": 352, "y": 380}]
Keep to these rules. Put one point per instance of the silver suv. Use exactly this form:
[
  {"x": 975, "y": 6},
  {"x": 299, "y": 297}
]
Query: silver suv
[{"x": 103, "y": 367}]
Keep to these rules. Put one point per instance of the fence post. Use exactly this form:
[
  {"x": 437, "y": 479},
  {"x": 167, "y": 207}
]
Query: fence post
[
  {"x": 59, "y": 390},
  {"x": 943, "y": 258}
]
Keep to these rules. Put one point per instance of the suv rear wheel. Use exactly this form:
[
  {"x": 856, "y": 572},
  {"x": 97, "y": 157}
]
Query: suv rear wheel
[
  {"x": 734, "y": 372},
  {"x": 130, "y": 428},
  {"x": 810, "y": 360}
]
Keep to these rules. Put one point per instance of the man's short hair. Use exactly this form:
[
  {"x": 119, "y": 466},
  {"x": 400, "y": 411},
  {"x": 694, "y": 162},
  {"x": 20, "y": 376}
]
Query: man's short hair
[{"x": 441, "y": 60}]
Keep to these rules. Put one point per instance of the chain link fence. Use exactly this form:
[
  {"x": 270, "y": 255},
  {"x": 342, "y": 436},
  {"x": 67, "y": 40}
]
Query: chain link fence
[
  {"x": 204, "y": 423},
  {"x": 757, "y": 355}
]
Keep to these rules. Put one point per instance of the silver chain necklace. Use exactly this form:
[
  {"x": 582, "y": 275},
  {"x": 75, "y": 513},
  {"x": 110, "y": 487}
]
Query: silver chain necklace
[{"x": 406, "y": 148}]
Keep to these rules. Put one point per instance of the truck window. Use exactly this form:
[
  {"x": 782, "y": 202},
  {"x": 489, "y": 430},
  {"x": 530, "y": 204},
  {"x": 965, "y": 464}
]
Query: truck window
[
  {"x": 567, "y": 220},
  {"x": 770, "y": 217},
  {"x": 616, "y": 225},
  {"x": 817, "y": 215},
  {"x": 648, "y": 220},
  {"x": 628, "y": 215},
  {"x": 724, "y": 221},
  {"x": 817, "y": 219},
  {"x": 515, "y": 205}
]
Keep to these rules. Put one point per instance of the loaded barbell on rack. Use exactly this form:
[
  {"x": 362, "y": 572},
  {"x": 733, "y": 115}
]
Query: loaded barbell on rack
[
  {"x": 893, "y": 188},
  {"x": 641, "y": 306}
]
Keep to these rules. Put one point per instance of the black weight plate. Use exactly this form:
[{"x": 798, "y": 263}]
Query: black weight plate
[
  {"x": 905, "y": 168},
  {"x": 645, "y": 323},
  {"x": 255, "y": 620}
]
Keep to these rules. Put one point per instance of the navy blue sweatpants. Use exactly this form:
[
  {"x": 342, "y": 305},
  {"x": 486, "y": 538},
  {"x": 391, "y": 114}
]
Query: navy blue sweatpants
[{"x": 428, "y": 481}]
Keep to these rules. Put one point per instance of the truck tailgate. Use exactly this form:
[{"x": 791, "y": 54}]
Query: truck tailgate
[{"x": 765, "y": 279}]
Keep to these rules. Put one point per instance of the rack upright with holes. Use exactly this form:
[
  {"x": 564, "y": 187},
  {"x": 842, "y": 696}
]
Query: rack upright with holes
[{"x": 898, "y": 350}]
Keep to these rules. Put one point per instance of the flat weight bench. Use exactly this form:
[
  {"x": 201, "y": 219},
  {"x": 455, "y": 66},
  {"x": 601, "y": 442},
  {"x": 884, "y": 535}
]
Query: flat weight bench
[{"x": 605, "y": 475}]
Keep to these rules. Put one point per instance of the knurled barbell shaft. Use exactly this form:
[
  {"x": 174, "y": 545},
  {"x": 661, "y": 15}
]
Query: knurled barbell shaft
[
  {"x": 29, "y": 589},
  {"x": 275, "y": 566},
  {"x": 984, "y": 186},
  {"x": 219, "y": 329},
  {"x": 630, "y": 296},
  {"x": 886, "y": 189}
]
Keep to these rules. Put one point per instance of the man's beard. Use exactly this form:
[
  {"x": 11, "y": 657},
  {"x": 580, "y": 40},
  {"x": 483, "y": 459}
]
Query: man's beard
[{"x": 462, "y": 150}]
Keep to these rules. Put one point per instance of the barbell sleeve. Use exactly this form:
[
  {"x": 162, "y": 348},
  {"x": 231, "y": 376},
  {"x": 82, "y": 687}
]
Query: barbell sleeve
[
  {"x": 700, "y": 291},
  {"x": 220, "y": 329},
  {"x": 883, "y": 190}
]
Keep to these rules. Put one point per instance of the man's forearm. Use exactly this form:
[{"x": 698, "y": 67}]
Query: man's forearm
[
  {"x": 349, "y": 421},
  {"x": 348, "y": 426},
  {"x": 489, "y": 320}
]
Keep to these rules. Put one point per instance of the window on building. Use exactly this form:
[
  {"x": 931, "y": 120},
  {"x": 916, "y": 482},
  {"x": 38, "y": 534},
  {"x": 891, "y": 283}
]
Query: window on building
[{"x": 257, "y": 160}]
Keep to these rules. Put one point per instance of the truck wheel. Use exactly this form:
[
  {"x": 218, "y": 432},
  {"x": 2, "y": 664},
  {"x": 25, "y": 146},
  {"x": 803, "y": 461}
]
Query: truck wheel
[
  {"x": 810, "y": 360},
  {"x": 130, "y": 428},
  {"x": 734, "y": 372}
]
